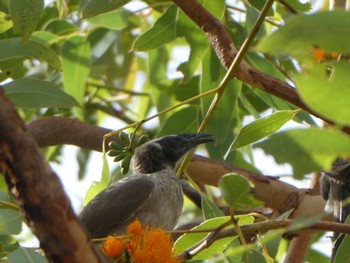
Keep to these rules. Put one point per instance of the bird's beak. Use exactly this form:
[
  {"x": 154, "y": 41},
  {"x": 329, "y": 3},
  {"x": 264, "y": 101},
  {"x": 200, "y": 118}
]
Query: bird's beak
[{"x": 194, "y": 139}]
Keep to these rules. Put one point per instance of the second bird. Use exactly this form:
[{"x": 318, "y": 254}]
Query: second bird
[{"x": 152, "y": 195}]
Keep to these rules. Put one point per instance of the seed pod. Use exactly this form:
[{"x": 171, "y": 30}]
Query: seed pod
[
  {"x": 121, "y": 156},
  {"x": 115, "y": 146},
  {"x": 113, "y": 152},
  {"x": 126, "y": 164},
  {"x": 124, "y": 138},
  {"x": 144, "y": 138}
]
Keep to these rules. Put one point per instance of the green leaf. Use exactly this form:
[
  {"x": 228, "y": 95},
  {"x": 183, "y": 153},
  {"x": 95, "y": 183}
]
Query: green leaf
[
  {"x": 253, "y": 256},
  {"x": 301, "y": 6},
  {"x": 314, "y": 255},
  {"x": 261, "y": 128},
  {"x": 273, "y": 241},
  {"x": 76, "y": 66},
  {"x": 184, "y": 120},
  {"x": 209, "y": 208},
  {"x": 60, "y": 27},
  {"x": 196, "y": 37},
  {"x": 116, "y": 20},
  {"x": 25, "y": 255},
  {"x": 326, "y": 95},
  {"x": 343, "y": 251},
  {"x": 25, "y": 15},
  {"x": 342, "y": 254},
  {"x": 189, "y": 239},
  {"x": 89, "y": 8},
  {"x": 10, "y": 222},
  {"x": 225, "y": 116},
  {"x": 307, "y": 150},
  {"x": 233, "y": 187},
  {"x": 10, "y": 218},
  {"x": 47, "y": 38},
  {"x": 97, "y": 187},
  {"x": 30, "y": 49},
  {"x": 33, "y": 93},
  {"x": 5, "y": 22},
  {"x": 12, "y": 68},
  {"x": 301, "y": 34},
  {"x": 162, "y": 32}
]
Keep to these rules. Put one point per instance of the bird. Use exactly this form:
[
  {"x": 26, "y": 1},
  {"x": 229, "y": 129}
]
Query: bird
[
  {"x": 335, "y": 190},
  {"x": 152, "y": 195}
]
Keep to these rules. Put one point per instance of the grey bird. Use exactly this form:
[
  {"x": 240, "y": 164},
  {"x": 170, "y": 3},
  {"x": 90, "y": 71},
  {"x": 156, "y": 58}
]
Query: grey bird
[
  {"x": 335, "y": 189},
  {"x": 152, "y": 195}
]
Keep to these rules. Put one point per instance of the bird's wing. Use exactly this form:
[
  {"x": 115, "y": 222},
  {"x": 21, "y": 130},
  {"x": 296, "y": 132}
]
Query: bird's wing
[{"x": 116, "y": 204}]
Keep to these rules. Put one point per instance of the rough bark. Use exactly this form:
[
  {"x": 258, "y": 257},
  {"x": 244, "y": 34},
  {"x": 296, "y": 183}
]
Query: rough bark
[{"x": 39, "y": 193}]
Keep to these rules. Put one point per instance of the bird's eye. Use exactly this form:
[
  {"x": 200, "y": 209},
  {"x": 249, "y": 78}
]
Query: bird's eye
[{"x": 173, "y": 144}]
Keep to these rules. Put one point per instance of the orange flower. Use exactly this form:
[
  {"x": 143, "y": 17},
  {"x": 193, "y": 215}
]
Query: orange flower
[
  {"x": 143, "y": 245},
  {"x": 112, "y": 247},
  {"x": 155, "y": 247},
  {"x": 135, "y": 228}
]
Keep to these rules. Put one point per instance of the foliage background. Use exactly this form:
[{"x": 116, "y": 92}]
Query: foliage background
[{"x": 128, "y": 60}]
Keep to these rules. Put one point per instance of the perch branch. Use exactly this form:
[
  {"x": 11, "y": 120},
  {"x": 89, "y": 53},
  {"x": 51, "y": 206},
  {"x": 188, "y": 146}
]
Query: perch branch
[{"x": 275, "y": 194}]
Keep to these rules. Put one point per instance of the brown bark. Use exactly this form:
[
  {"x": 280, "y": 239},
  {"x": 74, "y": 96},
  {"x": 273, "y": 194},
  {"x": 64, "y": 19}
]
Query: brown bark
[
  {"x": 226, "y": 52},
  {"x": 39, "y": 193},
  {"x": 275, "y": 194}
]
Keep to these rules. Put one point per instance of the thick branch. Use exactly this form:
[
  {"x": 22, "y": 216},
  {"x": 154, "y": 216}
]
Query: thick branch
[
  {"x": 38, "y": 192},
  {"x": 226, "y": 51},
  {"x": 56, "y": 130},
  {"x": 275, "y": 194}
]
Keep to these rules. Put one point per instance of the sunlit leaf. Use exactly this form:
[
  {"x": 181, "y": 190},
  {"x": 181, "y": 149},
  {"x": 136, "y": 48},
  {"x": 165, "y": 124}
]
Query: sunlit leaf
[
  {"x": 261, "y": 128},
  {"x": 33, "y": 93},
  {"x": 5, "y": 22},
  {"x": 76, "y": 66},
  {"x": 189, "y": 239},
  {"x": 97, "y": 187}
]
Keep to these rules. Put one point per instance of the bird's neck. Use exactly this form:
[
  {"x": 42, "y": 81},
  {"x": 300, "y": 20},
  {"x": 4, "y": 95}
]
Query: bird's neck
[{"x": 151, "y": 167}]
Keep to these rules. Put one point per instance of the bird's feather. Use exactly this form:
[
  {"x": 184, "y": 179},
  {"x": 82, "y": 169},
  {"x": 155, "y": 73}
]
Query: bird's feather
[{"x": 109, "y": 214}]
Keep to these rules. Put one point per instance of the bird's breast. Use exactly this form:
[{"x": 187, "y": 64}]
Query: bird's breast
[{"x": 165, "y": 203}]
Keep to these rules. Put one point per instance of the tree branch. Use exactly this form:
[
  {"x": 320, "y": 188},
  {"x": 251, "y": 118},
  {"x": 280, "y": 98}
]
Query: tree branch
[
  {"x": 226, "y": 52},
  {"x": 275, "y": 194},
  {"x": 261, "y": 227},
  {"x": 38, "y": 192}
]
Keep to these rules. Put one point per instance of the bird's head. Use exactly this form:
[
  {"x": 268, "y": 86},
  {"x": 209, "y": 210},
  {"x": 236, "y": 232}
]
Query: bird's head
[{"x": 155, "y": 155}]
